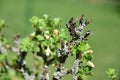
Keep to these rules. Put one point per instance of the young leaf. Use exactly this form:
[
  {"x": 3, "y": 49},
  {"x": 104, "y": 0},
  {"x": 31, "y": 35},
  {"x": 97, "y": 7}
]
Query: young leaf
[
  {"x": 56, "y": 21},
  {"x": 26, "y": 45},
  {"x": 83, "y": 46},
  {"x": 40, "y": 37},
  {"x": 2, "y": 24},
  {"x": 45, "y": 16},
  {"x": 74, "y": 49},
  {"x": 34, "y": 20}
]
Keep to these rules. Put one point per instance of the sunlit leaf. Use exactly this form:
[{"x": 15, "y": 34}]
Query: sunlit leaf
[{"x": 40, "y": 37}]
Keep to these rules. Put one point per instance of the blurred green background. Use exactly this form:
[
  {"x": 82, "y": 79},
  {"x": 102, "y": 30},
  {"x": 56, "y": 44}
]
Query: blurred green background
[{"x": 105, "y": 15}]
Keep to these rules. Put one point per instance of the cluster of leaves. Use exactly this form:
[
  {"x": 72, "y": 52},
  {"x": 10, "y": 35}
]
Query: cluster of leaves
[
  {"x": 46, "y": 38},
  {"x": 45, "y": 43},
  {"x": 83, "y": 49},
  {"x": 113, "y": 74}
]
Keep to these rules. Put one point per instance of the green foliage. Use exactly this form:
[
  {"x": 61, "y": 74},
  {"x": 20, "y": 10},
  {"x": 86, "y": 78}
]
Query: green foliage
[
  {"x": 85, "y": 68},
  {"x": 84, "y": 77},
  {"x": 26, "y": 45},
  {"x": 3, "y": 57},
  {"x": 29, "y": 46},
  {"x": 112, "y": 73},
  {"x": 48, "y": 33},
  {"x": 2, "y": 24},
  {"x": 3, "y": 40},
  {"x": 34, "y": 21},
  {"x": 57, "y": 21},
  {"x": 10, "y": 75},
  {"x": 43, "y": 42},
  {"x": 40, "y": 38},
  {"x": 81, "y": 48}
]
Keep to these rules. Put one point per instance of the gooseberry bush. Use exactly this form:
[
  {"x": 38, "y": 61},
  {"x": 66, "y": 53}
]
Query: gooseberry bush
[{"x": 50, "y": 46}]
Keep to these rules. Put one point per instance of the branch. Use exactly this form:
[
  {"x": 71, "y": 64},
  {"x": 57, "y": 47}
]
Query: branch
[
  {"x": 45, "y": 74},
  {"x": 60, "y": 72},
  {"x": 76, "y": 34}
]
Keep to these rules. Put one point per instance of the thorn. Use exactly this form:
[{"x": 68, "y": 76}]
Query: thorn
[
  {"x": 87, "y": 34},
  {"x": 81, "y": 19},
  {"x": 71, "y": 20},
  {"x": 88, "y": 22}
]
